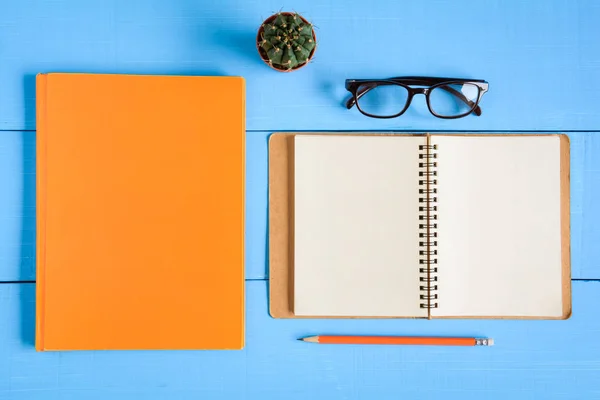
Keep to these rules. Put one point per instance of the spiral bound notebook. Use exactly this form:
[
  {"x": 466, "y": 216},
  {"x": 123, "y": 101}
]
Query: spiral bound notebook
[{"x": 419, "y": 226}]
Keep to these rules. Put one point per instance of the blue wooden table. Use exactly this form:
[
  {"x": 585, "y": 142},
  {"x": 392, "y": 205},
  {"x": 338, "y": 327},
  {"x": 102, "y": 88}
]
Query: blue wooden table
[{"x": 542, "y": 59}]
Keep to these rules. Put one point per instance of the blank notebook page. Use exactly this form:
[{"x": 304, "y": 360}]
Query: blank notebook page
[
  {"x": 499, "y": 227},
  {"x": 356, "y": 226}
]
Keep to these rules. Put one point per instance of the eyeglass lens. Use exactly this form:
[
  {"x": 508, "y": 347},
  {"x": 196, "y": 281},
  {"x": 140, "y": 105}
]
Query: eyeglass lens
[
  {"x": 382, "y": 100},
  {"x": 453, "y": 99}
]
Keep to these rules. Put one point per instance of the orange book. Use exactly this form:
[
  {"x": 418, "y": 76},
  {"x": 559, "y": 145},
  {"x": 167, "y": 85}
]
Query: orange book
[{"x": 140, "y": 212}]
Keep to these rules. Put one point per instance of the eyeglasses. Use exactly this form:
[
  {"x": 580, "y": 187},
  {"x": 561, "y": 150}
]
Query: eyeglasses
[{"x": 389, "y": 98}]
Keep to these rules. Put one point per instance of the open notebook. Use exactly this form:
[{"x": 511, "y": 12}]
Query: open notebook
[{"x": 420, "y": 226}]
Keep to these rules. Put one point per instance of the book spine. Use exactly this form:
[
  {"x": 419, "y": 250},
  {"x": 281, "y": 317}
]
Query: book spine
[
  {"x": 41, "y": 122},
  {"x": 428, "y": 279}
]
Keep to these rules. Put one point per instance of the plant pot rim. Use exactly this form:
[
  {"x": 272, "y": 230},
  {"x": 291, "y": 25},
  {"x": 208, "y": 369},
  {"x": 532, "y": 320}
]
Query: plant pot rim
[{"x": 262, "y": 53}]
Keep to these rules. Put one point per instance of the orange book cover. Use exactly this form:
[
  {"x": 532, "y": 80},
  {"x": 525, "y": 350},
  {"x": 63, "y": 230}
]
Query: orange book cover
[{"x": 140, "y": 212}]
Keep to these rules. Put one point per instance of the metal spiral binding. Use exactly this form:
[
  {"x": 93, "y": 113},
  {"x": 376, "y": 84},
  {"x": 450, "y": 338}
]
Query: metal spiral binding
[{"x": 428, "y": 225}]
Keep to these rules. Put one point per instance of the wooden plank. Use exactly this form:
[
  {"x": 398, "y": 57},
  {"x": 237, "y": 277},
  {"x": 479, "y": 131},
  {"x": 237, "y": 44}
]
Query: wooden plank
[
  {"x": 17, "y": 205},
  {"x": 530, "y": 360},
  {"x": 585, "y": 212},
  {"x": 541, "y": 58},
  {"x": 257, "y": 191}
]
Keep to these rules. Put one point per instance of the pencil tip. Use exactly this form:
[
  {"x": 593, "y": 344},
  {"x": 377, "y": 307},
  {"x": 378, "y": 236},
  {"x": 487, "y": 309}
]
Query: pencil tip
[{"x": 301, "y": 339}]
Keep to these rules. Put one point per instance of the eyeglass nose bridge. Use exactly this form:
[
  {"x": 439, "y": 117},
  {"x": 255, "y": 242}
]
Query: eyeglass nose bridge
[{"x": 422, "y": 91}]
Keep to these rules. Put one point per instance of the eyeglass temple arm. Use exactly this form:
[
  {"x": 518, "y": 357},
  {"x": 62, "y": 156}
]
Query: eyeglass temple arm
[
  {"x": 477, "y": 110},
  {"x": 352, "y": 101}
]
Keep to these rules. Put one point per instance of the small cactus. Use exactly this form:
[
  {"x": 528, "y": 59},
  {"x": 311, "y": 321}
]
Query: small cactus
[{"x": 288, "y": 41}]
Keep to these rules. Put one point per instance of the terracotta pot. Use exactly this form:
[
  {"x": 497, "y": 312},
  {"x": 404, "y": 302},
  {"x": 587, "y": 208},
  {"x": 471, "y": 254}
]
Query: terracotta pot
[{"x": 263, "y": 54}]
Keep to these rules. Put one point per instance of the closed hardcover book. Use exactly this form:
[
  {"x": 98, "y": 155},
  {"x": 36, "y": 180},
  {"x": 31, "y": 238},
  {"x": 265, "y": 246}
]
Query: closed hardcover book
[{"x": 140, "y": 212}]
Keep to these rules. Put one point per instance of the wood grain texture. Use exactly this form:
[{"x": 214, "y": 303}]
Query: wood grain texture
[
  {"x": 529, "y": 360},
  {"x": 17, "y": 205},
  {"x": 542, "y": 61},
  {"x": 541, "y": 58}
]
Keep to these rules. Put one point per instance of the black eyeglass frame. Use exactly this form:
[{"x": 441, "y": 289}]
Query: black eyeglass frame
[{"x": 353, "y": 85}]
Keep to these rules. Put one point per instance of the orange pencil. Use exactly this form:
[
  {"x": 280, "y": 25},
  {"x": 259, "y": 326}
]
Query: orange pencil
[{"x": 401, "y": 340}]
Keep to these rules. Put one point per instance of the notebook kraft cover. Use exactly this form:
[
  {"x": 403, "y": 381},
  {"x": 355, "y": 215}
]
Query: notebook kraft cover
[{"x": 281, "y": 224}]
